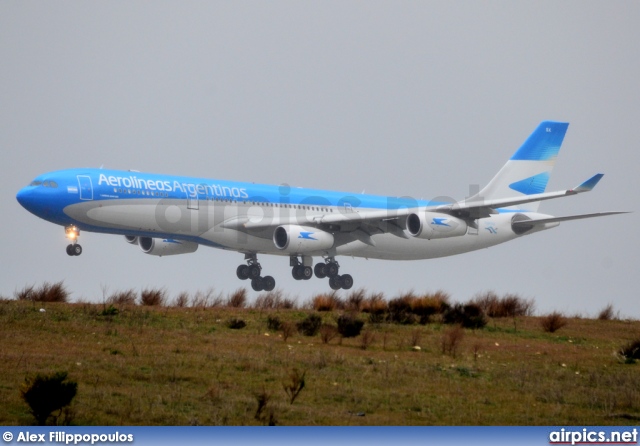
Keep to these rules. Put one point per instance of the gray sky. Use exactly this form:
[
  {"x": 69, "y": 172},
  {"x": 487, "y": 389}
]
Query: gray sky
[{"x": 395, "y": 98}]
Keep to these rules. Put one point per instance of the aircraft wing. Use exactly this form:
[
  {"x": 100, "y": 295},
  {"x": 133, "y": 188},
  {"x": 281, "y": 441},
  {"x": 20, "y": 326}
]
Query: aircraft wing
[
  {"x": 541, "y": 221},
  {"x": 365, "y": 223},
  {"x": 485, "y": 208}
]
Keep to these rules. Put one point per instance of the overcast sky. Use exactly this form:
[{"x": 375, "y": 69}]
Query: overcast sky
[{"x": 396, "y": 98}]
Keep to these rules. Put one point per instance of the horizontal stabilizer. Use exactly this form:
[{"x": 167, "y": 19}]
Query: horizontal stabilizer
[{"x": 589, "y": 184}]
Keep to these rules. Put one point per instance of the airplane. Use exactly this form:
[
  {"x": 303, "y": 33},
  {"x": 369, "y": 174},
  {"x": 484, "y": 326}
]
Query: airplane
[{"x": 169, "y": 215}]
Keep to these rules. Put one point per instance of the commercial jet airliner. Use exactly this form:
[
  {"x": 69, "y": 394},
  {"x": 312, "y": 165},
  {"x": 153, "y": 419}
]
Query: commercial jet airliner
[{"x": 167, "y": 215}]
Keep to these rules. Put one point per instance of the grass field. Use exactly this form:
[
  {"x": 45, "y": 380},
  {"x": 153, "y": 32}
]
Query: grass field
[{"x": 185, "y": 366}]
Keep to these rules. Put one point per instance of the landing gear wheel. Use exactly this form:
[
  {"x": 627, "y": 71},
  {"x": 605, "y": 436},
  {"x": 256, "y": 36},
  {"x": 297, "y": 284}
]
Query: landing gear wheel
[
  {"x": 74, "y": 250},
  {"x": 306, "y": 272},
  {"x": 268, "y": 283},
  {"x": 335, "y": 283},
  {"x": 331, "y": 269},
  {"x": 242, "y": 272},
  {"x": 320, "y": 270},
  {"x": 296, "y": 272},
  {"x": 257, "y": 283},
  {"x": 347, "y": 281},
  {"x": 254, "y": 271}
]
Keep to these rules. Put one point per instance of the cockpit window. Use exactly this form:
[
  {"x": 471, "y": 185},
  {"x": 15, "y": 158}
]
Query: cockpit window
[
  {"x": 35, "y": 183},
  {"x": 45, "y": 184},
  {"x": 53, "y": 184}
]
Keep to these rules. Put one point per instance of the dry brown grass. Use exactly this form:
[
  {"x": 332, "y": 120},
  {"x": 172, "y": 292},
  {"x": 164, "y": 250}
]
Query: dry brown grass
[
  {"x": 153, "y": 297},
  {"x": 47, "y": 292},
  {"x": 126, "y": 297},
  {"x": 327, "y": 302}
]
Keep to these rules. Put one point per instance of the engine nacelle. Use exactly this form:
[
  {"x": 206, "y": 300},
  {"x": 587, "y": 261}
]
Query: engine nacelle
[
  {"x": 430, "y": 225},
  {"x": 131, "y": 239},
  {"x": 294, "y": 239},
  {"x": 165, "y": 247}
]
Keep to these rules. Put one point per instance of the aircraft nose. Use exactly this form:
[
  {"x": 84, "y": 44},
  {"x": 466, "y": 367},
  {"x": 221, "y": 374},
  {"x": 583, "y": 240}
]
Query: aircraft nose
[{"x": 26, "y": 198}]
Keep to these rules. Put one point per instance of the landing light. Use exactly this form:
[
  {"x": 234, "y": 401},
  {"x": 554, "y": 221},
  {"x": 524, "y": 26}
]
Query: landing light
[{"x": 72, "y": 232}]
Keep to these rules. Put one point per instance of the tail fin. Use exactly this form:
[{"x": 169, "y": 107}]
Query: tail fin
[{"x": 527, "y": 172}]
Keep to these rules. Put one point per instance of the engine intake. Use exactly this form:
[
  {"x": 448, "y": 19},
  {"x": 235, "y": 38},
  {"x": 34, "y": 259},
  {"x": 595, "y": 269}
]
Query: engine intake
[
  {"x": 294, "y": 239},
  {"x": 433, "y": 225},
  {"x": 165, "y": 247},
  {"x": 131, "y": 239}
]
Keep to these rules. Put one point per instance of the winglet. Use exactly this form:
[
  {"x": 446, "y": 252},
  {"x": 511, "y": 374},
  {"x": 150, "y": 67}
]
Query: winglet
[{"x": 589, "y": 184}]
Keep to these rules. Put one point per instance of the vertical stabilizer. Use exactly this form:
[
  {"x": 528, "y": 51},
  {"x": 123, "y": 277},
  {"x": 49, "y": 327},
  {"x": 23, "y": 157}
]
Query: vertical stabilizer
[{"x": 527, "y": 172}]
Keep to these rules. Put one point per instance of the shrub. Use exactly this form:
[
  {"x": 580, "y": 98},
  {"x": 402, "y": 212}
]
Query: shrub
[
  {"x": 510, "y": 305},
  {"x": 355, "y": 300},
  {"x": 182, "y": 300},
  {"x": 553, "y": 322},
  {"x": 273, "y": 300},
  {"x": 607, "y": 314},
  {"x": 153, "y": 297},
  {"x": 288, "y": 304},
  {"x": 376, "y": 306},
  {"x": 48, "y": 292},
  {"x": 468, "y": 315},
  {"x": 310, "y": 326},
  {"x": 109, "y": 311},
  {"x": 400, "y": 309},
  {"x": 127, "y": 297},
  {"x": 294, "y": 385},
  {"x": 630, "y": 351},
  {"x": 237, "y": 299},
  {"x": 26, "y": 293},
  {"x": 207, "y": 299},
  {"x": 274, "y": 323},
  {"x": 327, "y": 302},
  {"x": 349, "y": 326},
  {"x": 288, "y": 329},
  {"x": 262, "y": 398},
  {"x": 47, "y": 393},
  {"x": 368, "y": 337},
  {"x": 236, "y": 323},
  {"x": 451, "y": 340},
  {"x": 426, "y": 306},
  {"x": 328, "y": 332}
]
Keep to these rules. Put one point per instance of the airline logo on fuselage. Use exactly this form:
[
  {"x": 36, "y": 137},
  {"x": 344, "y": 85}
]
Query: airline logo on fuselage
[{"x": 193, "y": 190}]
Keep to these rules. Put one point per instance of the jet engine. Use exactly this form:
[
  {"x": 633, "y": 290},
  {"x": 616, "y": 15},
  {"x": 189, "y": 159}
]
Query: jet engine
[
  {"x": 430, "y": 225},
  {"x": 165, "y": 247},
  {"x": 131, "y": 239},
  {"x": 294, "y": 239}
]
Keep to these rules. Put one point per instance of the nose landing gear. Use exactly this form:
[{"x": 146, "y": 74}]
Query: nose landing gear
[{"x": 72, "y": 233}]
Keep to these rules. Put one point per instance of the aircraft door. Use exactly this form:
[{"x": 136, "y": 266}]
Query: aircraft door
[
  {"x": 85, "y": 187},
  {"x": 192, "y": 199}
]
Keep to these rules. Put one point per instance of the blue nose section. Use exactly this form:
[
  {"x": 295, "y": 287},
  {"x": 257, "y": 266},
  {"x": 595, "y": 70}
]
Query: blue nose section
[{"x": 26, "y": 198}]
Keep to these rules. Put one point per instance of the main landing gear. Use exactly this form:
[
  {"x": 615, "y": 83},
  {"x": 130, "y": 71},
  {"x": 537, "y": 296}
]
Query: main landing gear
[
  {"x": 252, "y": 270},
  {"x": 72, "y": 233},
  {"x": 330, "y": 269},
  {"x": 299, "y": 270}
]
